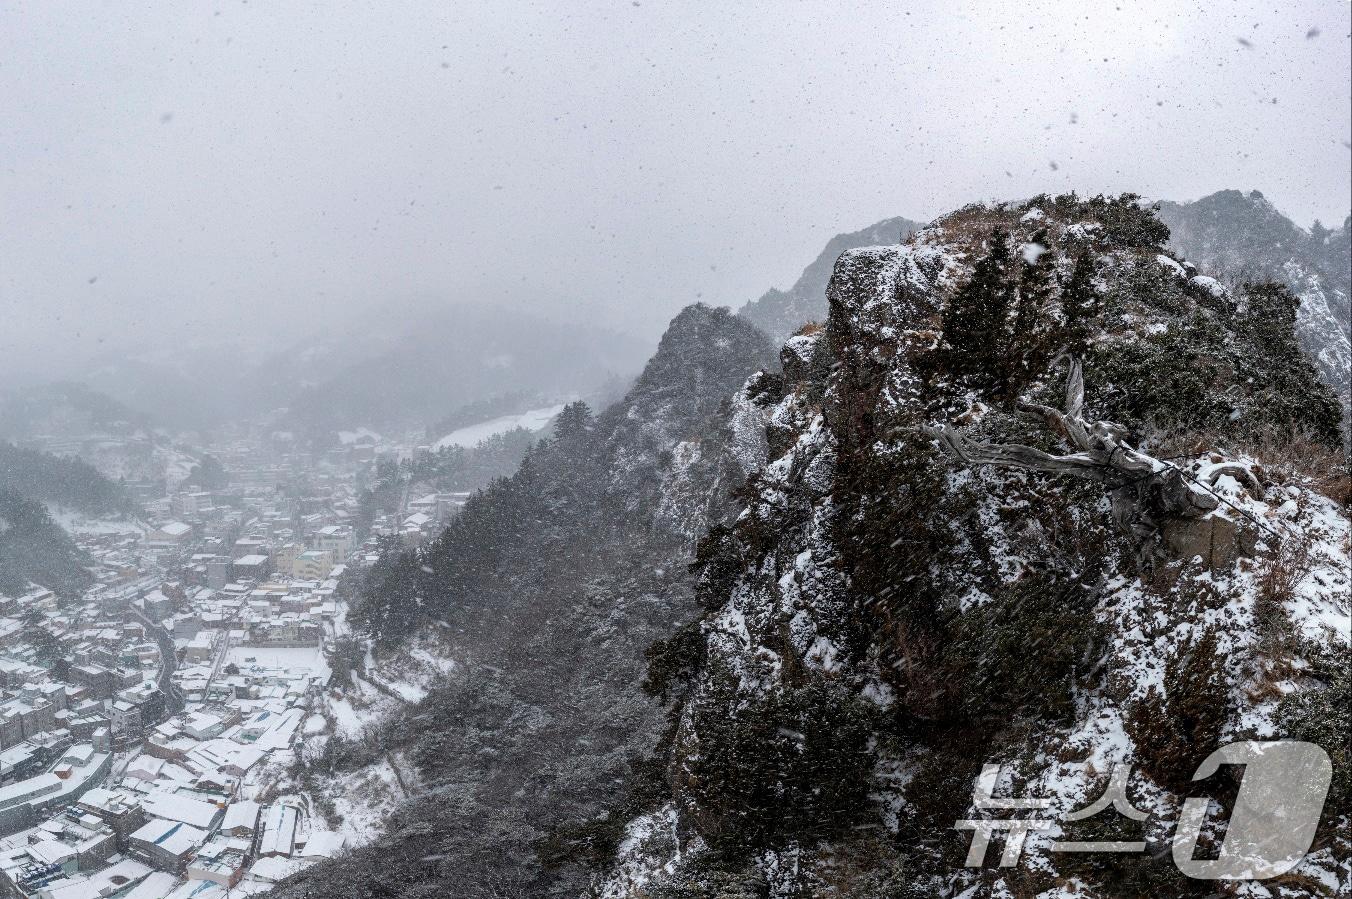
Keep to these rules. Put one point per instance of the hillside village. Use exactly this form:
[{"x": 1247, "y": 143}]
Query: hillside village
[{"x": 149, "y": 727}]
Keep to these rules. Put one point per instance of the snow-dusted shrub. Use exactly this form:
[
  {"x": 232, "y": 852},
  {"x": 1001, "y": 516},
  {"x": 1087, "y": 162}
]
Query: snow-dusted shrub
[
  {"x": 1023, "y": 652},
  {"x": 1323, "y": 715},
  {"x": 761, "y": 770},
  {"x": 1174, "y": 729}
]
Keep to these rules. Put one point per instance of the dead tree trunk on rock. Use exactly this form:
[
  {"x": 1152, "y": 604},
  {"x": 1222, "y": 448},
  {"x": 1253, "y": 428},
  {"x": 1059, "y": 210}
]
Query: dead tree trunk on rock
[{"x": 1145, "y": 491}]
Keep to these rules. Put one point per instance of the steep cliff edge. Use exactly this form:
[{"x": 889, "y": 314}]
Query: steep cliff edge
[
  {"x": 546, "y": 591},
  {"x": 884, "y": 618}
]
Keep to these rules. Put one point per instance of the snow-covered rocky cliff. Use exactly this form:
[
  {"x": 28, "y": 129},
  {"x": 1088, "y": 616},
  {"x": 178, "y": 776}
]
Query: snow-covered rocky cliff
[
  {"x": 884, "y": 618},
  {"x": 1240, "y": 237}
]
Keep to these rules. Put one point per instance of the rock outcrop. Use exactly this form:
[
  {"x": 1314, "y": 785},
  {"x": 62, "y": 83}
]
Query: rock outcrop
[
  {"x": 780, "y": 313},
  {"x": 883, "y": 620}
]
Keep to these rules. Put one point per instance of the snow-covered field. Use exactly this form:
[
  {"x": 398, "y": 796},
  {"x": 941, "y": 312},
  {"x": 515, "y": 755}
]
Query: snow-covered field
[
  {"x": 363, "y": 800},
  {"x": 296, "y": 659},
  {"x": 78, "y": 523},
  {"x": 471, "y": 435}
]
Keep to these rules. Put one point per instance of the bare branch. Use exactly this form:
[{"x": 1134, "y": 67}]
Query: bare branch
[
  {"x": 1017, "y": 455},
  {"x": 1144, "y": 488},
  {"x": 1075, "y": 390}
]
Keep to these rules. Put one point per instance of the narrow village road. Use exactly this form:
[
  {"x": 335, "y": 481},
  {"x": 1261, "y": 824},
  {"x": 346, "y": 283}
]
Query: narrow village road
[{"x": 173, "y": 699}]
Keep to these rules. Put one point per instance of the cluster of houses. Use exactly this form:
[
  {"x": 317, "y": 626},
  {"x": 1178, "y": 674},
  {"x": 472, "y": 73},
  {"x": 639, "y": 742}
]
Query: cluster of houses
[
  {"x": 141, "y": 726},
  {"x": 147, "y": 727},
  {"x": 254, "y": 557},
  {"x": 105, "y": 793},
  {"x": 92, "y": 677},
  {"x": 181, "y": 825},
  {"x": 422, "y": 519}
]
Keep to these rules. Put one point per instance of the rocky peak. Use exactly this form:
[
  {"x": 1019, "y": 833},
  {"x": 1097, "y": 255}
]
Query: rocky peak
[
  {"x": 780, "y": 313},
  {"x": 865, "y": 647},
  {"x": 704, "y": 356}
]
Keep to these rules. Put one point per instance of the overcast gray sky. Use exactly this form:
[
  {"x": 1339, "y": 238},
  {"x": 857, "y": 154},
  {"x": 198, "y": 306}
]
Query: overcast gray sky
[{"x": 193, "y": 171}]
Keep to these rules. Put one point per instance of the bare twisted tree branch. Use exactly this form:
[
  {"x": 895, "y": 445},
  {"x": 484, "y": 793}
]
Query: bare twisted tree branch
[{"x": 1144, "y": 488}]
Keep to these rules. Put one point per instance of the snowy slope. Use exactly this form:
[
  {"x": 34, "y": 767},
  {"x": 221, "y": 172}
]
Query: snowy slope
[{"x": 472, "y": 435}]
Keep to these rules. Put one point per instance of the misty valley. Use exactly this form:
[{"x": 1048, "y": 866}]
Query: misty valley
[{"x": 412, "y": 487}]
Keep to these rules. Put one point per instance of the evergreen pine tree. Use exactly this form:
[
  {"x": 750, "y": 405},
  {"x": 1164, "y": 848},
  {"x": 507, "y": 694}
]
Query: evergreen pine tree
[
  {"x": 974, "y": 322},
  {"x": 208, "y": 474},
  {"x": 389, "y": 606},
  {"x": 1277, "y": 366},
  {"x": 1028, "y": 349},
  {"x": 575, "y": 419},
  {"x": 1079, "y": 303}
]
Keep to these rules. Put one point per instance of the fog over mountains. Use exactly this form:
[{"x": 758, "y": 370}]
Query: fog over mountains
[
  {"x": 626, "y": 449},
  {"x": 405, "y": 373},
  {"x": 380, "y": 375},
  {"x": 849, "y": 633}
]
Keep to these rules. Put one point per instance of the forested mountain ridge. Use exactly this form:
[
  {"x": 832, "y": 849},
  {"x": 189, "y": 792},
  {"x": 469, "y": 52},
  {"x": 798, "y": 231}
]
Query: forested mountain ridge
[
  {"x": 625, "y": 467},
  {"x": 34, "y": 548},
  {"x": 63, "y": 408},
  {"x": 928, "y": 574},
  {"x": 1239, "y": 237},
  {"x": 551, "y": 584},
  {"x": 70, "y": 483}
]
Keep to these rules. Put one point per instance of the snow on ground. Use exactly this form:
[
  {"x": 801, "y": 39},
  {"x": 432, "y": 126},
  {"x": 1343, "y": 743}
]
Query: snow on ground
[
  {"x": 348, "y": 721},
  {"x": 364, "y": 800},
  {"x": 349, "y": 437},
  {"x": 649, "y": 848},
  {"x": 293, "y": 658},
  {"x": 472, "y": 435},
  {"x": 358, "y": 708},
  {"x": 339, "y": 627},
  {"x": 78, "y": 523},
  {"x": 440, "y": 664},
  {"x": 412, "y": 672},
  {"x": 407, "y": 692}
]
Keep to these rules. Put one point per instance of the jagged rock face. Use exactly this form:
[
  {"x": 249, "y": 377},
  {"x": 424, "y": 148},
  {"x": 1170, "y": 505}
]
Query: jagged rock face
[
  {"x": 550, "y": 587},
  {"x": 1240, "y": 237},
  {"x": 780, "y": 313},
  {"x": 681, "y": 437},
  {"x": 1233, "y": 236},
  {"x": 880, "y": 621}
]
